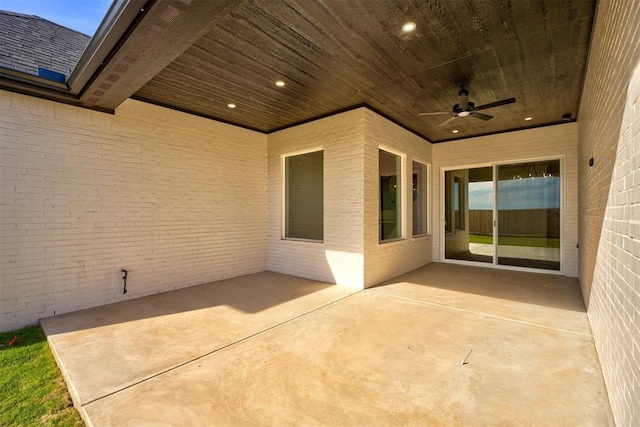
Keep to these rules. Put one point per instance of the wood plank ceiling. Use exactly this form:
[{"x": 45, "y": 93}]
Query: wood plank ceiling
[{"x": 335, "y": 54}]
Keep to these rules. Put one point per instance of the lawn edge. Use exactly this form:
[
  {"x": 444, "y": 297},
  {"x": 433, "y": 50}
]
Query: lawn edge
[{"x": 65, "y": 376}]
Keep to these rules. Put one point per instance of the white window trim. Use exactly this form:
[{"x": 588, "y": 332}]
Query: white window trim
[
  {"x": 428, "y": 196},
  {"x": 401, "y": 194},
  {"x": 283, "y": 192}
]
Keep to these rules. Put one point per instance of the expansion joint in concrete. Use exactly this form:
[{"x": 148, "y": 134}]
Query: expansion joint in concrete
[
  {"x": 479, "y": 313},
  {"x": 238, "y": 341}
]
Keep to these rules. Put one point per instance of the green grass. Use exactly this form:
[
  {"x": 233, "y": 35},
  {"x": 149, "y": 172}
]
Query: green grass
[
  {"x": 536, "y": 242},
  {"x": 32, "y": 391}
]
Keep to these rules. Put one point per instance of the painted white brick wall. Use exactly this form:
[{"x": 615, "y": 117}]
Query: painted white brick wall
[
  {"x": 609, "y": 132},
  {"x": 550, "y": 141},
  {"x": 340, "y": 257},
  {"x": 350, "y": 253},
  {"x": 176, "y": 199},
  {"x": 387, "y": 260}
]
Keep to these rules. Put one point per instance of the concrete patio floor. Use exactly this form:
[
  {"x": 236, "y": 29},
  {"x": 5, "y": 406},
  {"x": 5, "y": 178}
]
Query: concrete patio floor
[{"x": 269, "y": 349}]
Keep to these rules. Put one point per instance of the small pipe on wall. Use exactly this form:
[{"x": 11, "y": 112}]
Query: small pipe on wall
[{"x": 124, "y": 278}]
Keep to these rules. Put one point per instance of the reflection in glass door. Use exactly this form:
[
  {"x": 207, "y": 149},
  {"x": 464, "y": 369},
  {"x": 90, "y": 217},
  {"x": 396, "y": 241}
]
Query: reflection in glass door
[
  {"x": 529, "y": 214},
  {"x": 469, "y": 214},
  {"x": 505, "y": 214}
]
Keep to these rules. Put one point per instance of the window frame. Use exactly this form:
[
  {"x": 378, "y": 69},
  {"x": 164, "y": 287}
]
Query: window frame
[
  {"x": 400, "y": 196},
  {"x": 283, "y": 174},
  {"x": 427, "y": 194}
]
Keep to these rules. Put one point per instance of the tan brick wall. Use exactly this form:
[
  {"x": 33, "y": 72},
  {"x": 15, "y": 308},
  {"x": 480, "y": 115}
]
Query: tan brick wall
[
  {"x": 609, "y": 132},
  {"x": 176, "y": 199},
  {"x": 550, "y": 141},
  {"x": 339, "y": 258},
  {"x": 386, "y": 260}
]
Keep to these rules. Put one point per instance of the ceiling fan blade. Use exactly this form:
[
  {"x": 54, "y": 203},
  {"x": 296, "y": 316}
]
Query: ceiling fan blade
[
  {"x": 495, "y": 104},
  {"x": 481, "y": 116},
  {"x": 437, "y": 113},
  {"x": 450, "y": 119}
]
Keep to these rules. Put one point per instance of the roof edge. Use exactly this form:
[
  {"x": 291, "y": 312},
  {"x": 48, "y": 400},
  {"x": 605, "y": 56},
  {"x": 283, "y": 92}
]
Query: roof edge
[
  {"x": 26, "y": 15},
  {"x": 118, "y": 22}
]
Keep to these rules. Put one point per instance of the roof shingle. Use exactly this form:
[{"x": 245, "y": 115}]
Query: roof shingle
[{"x": 28, "y": 42}]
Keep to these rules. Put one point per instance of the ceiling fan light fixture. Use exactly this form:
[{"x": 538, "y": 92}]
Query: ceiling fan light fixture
[
  {"x": 466, "y": 108},
  {"x": 409, "y": 27}
]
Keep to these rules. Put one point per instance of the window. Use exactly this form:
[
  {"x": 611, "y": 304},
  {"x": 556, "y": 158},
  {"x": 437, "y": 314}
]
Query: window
[
  {"x": 304, "y": 203},
  {"x": 390, "y": 167},
  {"x": 419, "y": 199}
]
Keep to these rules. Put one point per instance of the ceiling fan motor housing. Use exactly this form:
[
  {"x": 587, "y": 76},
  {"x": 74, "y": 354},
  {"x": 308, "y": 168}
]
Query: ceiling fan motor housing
[{"x": 470, "y": 107}]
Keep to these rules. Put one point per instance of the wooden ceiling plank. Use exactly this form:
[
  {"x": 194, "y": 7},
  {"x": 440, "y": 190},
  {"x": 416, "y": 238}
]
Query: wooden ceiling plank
[{"x": 335, "y": 54}]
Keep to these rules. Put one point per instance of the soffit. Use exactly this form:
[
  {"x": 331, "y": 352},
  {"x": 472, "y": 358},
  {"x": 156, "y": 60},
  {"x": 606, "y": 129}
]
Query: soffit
[{"x": 334, "y": 55}]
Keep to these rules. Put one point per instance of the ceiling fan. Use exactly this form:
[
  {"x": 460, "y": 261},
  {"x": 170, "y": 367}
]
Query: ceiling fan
[{"x": 465, "y": 108}]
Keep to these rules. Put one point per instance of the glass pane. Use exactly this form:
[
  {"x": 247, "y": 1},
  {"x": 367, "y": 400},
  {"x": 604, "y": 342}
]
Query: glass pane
[
  {"x": 469, "y": 214},
  {"x": 529, "y": 214},
  {"x": 419, "y": 199},
  {"x": 304, "y": 196},
  {"x": 390, "y": 173},
  {"x": 458, "y": 212},
  {"x": 481, "y": 214}
]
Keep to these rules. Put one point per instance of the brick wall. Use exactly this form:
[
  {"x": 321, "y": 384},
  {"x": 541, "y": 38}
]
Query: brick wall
[
  {"x": 175, "y": 199},
  {"x": 550, "y": 141},
  {"x": 339, "y": 258},
  {"x": 350, "y": 253},
  {"x": 386, "y": 260},
  {"x": 609, "y": 132}
]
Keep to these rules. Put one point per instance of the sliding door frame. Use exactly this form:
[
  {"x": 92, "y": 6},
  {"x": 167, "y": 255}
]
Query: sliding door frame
[{"x": 496, "y": 225}]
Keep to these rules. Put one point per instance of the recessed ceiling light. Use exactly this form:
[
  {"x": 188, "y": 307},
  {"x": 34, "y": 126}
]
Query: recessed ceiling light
[
  {"x": 231, "y": 105},
  {"x": 528, "y": 118},
  {"x": 280, "y": 83},
  {"x": 455, "y": 131},
  {"x": 408, "y": 27}
]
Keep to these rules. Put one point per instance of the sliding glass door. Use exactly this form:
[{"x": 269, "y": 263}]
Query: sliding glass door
[
  {"x": 528, "y": 223},
  {"x": 505, "y": 214},
  {"x": 469, "y": 214}
]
